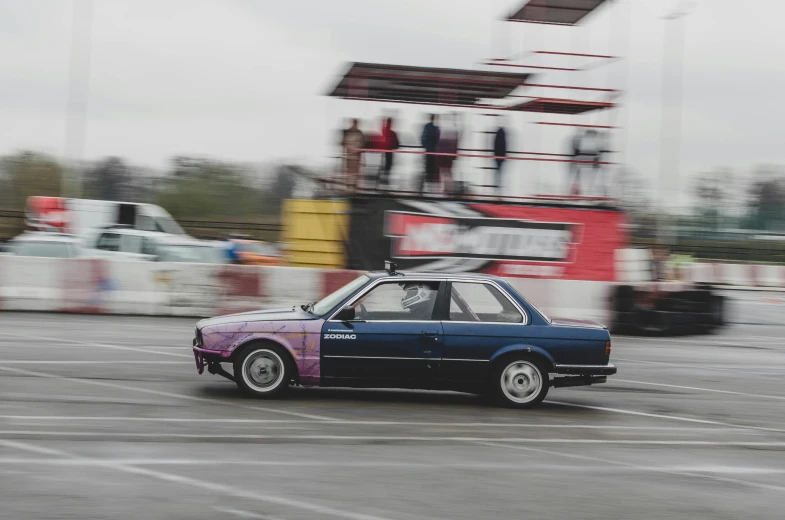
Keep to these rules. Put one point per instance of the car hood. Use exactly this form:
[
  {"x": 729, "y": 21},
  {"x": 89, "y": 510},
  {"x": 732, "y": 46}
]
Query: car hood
[
  {"x": 288, "y": 314},
  {"x": 584, "y": 324}
]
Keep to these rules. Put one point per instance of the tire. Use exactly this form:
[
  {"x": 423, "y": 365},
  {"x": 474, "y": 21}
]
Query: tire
[
  {"x": 519, "y": 382},
  {"x": 263, "y": 370}
]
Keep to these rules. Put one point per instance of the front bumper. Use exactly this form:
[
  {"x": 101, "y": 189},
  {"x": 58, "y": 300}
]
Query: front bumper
[
  {"x": 586, "y": 370},
  {"x": 201, "y": 354}
]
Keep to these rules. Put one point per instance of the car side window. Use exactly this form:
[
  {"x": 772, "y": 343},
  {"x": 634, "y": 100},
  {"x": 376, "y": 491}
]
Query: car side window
[
  {"x": 108, "y": 242},
  {"x": 131, "y": 244},
  {"x": 482, "y": 303},
  {"x": 148, "y": 247},
  {"x": 398, "y": 301},
  {"x": 146, "y": 223}
]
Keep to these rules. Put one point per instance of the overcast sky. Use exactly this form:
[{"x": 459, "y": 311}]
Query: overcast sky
[{"x": 244, "y": 79}]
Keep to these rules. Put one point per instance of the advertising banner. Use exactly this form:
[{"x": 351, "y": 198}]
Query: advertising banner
[{"x": 510, "y": 240}]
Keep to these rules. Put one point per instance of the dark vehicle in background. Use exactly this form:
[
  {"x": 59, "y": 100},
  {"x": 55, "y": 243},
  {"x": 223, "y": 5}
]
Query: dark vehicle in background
[{"x": 464, "y": 332}]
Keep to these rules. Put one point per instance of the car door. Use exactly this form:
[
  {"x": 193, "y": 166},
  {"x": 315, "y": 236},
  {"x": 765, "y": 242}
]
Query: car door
[
  {"x": 395, "y": 339},
  {"x": 131, "y": 247},
  {"x": 480, "y": 319},
  {"x": 108, "y": 245}
]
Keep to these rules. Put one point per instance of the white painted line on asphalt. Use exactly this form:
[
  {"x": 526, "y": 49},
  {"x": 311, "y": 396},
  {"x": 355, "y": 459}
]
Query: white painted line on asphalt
[
  {"x": 230, "y": 491},
  {"x": 381, "y": 464},
  {"x": 70, "y": 346},
  {"x": 244, "y": 514},
  {"x": 342, "y": 422},
  {"x": 107, "y": 384},
  {"x": 700, "y": 389},
  {"x": 86, "y": 362},
  {"x": 741, "y": 370},
  {"x": 164, "y": 436},
  {"x": 607, "y": 461},
  {"x": 110, "y": 346},
  {"x": 713, "y": 341},
  {"x": 664, "y": 416}
]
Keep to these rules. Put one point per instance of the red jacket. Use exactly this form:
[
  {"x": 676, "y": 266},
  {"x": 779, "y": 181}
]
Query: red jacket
[{"x": 389, "y": 141}]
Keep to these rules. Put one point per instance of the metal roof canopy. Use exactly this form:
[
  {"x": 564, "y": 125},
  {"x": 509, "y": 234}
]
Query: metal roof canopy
[
  {"x": 560, "y": 106},
  {"x": 558, "y": 12},
  {"x": 400, "y": 83}
]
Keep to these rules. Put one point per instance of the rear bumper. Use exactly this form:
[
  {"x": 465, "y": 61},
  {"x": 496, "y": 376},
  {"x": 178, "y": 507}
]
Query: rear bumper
[{"x": 586, "y": 370}]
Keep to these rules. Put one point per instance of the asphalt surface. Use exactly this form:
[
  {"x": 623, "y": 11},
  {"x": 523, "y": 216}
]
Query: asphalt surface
[{"x": 105, "y": 417}]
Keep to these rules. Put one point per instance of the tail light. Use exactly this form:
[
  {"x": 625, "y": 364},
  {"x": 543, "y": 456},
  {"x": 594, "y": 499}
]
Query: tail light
[{"x": 608, "y": 348}]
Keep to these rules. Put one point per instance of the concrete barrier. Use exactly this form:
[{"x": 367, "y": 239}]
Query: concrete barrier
[
  {"x": 747, "y": 276},
  {"x": 152, "y": 288}
]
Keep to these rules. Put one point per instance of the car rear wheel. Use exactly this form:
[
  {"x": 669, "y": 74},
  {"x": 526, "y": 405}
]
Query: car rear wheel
[
  {"x": 262, "y": 371},
  {"x": 520, "y": 382}
]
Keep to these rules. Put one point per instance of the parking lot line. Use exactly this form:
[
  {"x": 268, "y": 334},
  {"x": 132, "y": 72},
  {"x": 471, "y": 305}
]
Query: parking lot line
[
  {"x": 741, "y": 370},
  {"x": 110, "y": 346},
  {"x": 211, "y": 487},
  {"x": 233, "y": 420},
  {"x": 86, "y": 362},
  {"x": 166, "y": 436},
  {"x": 700, "y": 389},
  {"x": 640, "y": 467},
  {"x": 108, "y": 384},
  {"x": 664, "y": 416},
  {"x": 382, "y": 464}
]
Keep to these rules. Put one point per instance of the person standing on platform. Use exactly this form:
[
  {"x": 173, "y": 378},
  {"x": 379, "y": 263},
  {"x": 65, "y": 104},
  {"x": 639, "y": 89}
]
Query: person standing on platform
[
  {"x": 430, "y": 141},
  {"x": 389, "y": 142},
  {"x": 448, "y": 144},
  {"x": 601, "y": 147},
  {"x": 500, "y": 154},
  {"x": 352, "y": 142}
]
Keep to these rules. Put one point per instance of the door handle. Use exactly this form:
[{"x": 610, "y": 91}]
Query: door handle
[{"x": 431, "y": 334}]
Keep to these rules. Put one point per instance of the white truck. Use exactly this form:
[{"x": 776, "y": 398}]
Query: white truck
[{"x": 80, "y": 216}]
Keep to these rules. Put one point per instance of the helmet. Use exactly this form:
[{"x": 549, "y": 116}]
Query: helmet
[{"x": 418, "y": 297}]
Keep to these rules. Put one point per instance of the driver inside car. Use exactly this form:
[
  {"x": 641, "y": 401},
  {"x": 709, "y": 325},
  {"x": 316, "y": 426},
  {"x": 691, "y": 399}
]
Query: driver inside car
[{"x": 419, "y": 300}]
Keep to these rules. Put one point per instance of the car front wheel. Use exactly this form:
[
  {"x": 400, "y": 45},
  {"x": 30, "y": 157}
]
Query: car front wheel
[
  {"x": 520, "y": 383},
  {"x": 262, "y": 371}
]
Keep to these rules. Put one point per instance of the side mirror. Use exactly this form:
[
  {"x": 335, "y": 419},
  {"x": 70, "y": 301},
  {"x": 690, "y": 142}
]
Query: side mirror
[{"x": 346, "y": 314}]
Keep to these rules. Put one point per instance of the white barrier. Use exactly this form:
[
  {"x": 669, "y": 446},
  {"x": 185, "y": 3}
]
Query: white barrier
[
  {"x": 31, "y": 284},
  {"x": 152, "y": 288},
  {"x": 748, "y": 276}
]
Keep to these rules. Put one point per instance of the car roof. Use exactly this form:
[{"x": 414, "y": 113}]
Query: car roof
[
  {"x": 432, "y": 275},
  {"x": 44, "y": 236}
]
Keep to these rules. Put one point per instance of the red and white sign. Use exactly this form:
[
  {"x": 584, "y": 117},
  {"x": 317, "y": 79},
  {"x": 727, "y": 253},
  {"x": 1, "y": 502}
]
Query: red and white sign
[
  {"x": 47, "y": 213},
  {"x": 571, "y": 243}
]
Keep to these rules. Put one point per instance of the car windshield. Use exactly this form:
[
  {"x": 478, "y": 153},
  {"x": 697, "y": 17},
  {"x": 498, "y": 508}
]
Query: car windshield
[
  {"x": 324, "y": 305},
  {"x": 192, "y": 254},
  {"x": 44, "y": 249},
  {"x": 169, "y": 225}
]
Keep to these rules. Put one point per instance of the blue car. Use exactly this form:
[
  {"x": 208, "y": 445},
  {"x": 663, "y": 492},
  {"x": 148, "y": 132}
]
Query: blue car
[{"x": 388, "y": 329}]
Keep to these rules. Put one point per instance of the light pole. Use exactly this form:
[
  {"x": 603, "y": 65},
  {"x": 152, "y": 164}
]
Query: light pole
[
  {"x": 670, "y": 127},
  {"x": 78, "y": 88}
]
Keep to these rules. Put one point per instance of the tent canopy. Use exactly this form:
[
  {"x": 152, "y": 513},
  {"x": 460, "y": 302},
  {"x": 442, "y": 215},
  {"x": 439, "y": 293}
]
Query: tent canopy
[
  {"x": 560, "y": 106},
  {"x": 398, "y": 83},
  {"x": 561, "y": 12}
]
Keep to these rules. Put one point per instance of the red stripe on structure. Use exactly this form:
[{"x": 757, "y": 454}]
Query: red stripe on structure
[{"x": 334, "y": 279}]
